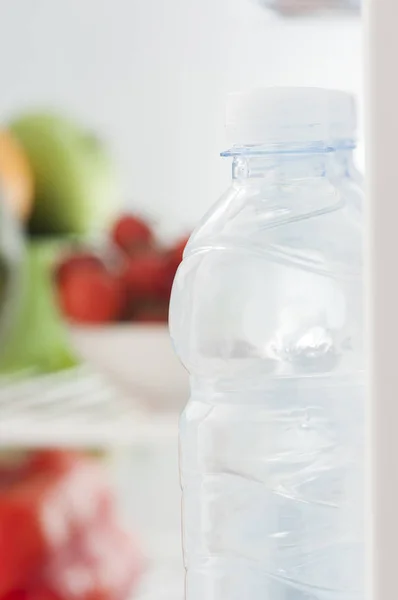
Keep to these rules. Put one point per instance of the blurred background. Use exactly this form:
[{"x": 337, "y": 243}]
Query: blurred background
[{"x": 112, "y": 121}]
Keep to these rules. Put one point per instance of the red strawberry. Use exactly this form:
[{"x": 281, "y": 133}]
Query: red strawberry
[
  {"x": 89, "y": 296},
  {"x": 173, "y": 259},
  {"x": 74, "y": 262},
  {"x": 53, "y": 460},
  {"x": 132, "y": 234},
  {"x": 176, "y": 253},
  {"x": 143, "y": 276},
  {"x": 58, "y": 521},
  {"x": 101, "y": 562},
  {"x": 41, "y": 592},
  {"x": 17, "y": 594},
  {"x": 166, "y": 280}
]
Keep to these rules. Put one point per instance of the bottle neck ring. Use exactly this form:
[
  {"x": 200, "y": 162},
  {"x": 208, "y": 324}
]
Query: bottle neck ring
[
  {"x": 291, "y": 148},
  {"x": 292, "y": 164}
]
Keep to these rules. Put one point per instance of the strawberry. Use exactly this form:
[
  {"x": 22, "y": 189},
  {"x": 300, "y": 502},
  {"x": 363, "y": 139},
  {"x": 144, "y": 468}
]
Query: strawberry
[
  {"x": 40, "y": 592},
  {"x": 53, "y": 460},
  {"x": 60, "y": 536},
  {"x": 17, "y": 594},
  {"x": 176, "y": 253},
  {"x": 90, "y": 296},
  {"x": 172, "y": 261},
  {"x": 100, "y": 562},
  {"x": 132, "y": 235},
  {"x": 143, "y": 276},
  {"x": 74, "y": 262}
]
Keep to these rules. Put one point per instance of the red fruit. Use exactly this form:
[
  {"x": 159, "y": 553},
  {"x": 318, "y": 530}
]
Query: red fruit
[
  {"x": 58, "y": 496},
  {"x": 12, "y": 470},
  {"x": 102, "y": 559},
  {"x": 132, "y": 234},
  {"x": 79, "y": 495},
  {"x": 88, "y": 296},
  {"x": 176, "y": 253},
  {"x": 76, "y": 262},
  {"x": 169, "y": 272},
  {"x": 18, "y": 594},
  {"x": 29, "y": 527},
  {"x": 40, "y": 592},
  {"x": 22, "y": 544},
  {"x": 173, "y": 259},
  {"x": 143, "y": 277},
  {"x": 53, "y": 461}
]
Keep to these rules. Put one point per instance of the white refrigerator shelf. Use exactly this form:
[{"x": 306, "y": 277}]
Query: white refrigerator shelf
[{"x": 76, "y": 408}]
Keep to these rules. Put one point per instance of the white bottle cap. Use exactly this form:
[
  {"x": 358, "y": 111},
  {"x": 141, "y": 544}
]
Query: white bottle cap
[{"x": 290, "y": 114}]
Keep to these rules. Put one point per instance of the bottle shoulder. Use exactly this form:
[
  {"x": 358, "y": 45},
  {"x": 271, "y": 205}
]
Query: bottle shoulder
[
  {"x": 316, "y": 223},
  {"x": 271, "y": 285}
]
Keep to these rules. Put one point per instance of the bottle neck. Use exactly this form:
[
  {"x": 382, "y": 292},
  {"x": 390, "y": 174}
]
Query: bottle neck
[{"x": 291, "y": 164}]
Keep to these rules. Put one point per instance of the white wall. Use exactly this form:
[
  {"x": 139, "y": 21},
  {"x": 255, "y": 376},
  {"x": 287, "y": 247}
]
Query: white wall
[{"x": 152, "y": 75}]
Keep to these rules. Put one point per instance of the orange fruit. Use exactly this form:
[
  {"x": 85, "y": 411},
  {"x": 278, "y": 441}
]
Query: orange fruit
[{"x": 16, "y": 176}]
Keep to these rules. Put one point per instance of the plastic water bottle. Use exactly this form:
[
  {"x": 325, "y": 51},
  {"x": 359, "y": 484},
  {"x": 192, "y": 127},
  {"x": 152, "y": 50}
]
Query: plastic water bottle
[{"x": 266, "y": 314}]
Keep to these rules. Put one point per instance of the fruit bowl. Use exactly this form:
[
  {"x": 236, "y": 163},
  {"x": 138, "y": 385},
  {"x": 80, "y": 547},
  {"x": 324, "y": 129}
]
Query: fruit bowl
[{"x": 139, "y": 359}]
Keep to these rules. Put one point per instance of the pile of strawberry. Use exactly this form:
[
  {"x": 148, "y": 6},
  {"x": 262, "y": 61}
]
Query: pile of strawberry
[
  {"x": 131, "y": 283},
  {"x": 60, "y": 536}
]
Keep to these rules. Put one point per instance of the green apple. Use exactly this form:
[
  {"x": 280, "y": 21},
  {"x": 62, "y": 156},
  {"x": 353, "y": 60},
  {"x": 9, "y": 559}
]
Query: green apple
[
  {"x": 34, "y": 339},
  {"x": 77, "y": 188}
]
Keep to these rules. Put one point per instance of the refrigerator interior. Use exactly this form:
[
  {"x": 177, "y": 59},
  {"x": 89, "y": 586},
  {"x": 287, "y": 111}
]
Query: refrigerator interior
[{"x": 152, "y": 78}]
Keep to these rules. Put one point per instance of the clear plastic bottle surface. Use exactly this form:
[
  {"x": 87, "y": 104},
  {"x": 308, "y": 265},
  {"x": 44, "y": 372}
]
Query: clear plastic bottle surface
[{"x": 266, "y": 315}]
